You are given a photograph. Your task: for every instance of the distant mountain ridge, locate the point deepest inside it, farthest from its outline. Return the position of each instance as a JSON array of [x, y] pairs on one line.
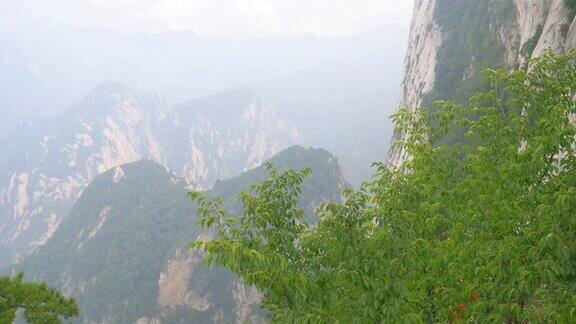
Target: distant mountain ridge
[[52, 67], [44, 165], [122, 250], [339, 91]]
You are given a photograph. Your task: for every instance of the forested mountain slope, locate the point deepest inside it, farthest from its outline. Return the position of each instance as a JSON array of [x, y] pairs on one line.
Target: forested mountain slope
[[122, 249]]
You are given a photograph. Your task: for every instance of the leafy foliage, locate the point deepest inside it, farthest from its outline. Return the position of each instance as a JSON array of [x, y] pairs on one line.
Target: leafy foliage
[[482, 233], [40, 303], [325, 183]]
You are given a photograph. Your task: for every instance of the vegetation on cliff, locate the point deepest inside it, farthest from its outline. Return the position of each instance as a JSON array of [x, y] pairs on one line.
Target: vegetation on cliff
[[483, 232]]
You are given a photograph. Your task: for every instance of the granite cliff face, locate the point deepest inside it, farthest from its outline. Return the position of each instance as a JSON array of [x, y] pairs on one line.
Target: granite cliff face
[[451, 41], [123, 252], [45, 164]]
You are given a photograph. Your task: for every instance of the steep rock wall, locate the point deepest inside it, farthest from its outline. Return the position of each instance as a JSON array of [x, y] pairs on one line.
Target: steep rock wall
[[451, 41]]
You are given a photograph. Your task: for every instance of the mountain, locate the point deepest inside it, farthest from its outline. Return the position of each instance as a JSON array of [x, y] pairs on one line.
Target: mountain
[[122, 249], [45, 164], [219, 136], [452, 41], [339, 91]]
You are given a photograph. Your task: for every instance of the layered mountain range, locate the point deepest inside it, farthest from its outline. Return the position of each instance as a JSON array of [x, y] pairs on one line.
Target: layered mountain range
[[122, 251], [45, 164], [339, 91], [452, 41]]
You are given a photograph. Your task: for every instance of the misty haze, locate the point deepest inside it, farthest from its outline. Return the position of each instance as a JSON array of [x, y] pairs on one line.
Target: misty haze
[[255, 161]]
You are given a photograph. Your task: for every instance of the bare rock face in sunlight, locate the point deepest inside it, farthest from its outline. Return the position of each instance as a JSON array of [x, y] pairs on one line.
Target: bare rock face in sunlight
[[45, 164], [420, 63], [516, 31]]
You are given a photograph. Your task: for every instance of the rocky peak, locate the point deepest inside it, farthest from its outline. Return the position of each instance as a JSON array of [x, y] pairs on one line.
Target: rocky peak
[[109, 97]]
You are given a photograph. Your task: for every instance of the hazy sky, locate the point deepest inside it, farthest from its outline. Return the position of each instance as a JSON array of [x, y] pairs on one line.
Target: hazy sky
[[211, 17]]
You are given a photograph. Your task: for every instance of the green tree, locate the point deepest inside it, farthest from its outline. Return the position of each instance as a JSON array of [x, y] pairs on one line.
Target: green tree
[[482, 231], [38, 302]]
